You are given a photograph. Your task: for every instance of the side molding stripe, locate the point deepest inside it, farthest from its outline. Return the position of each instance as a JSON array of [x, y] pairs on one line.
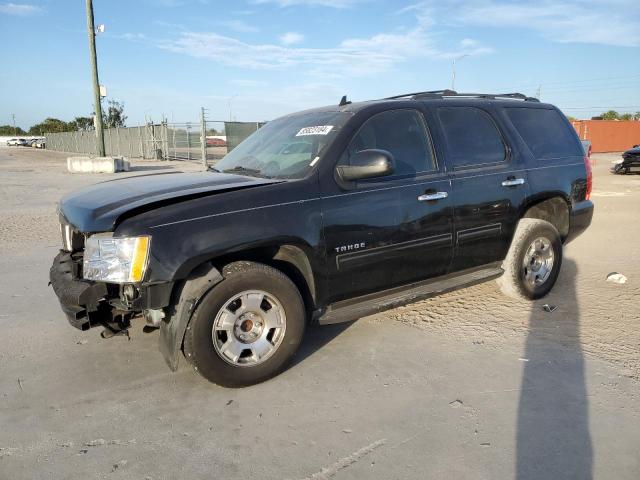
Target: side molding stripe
[[485, 231], [354, 259]]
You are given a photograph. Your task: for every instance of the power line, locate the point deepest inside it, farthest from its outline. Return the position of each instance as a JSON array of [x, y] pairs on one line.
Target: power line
[[533, 84], [598, 108]]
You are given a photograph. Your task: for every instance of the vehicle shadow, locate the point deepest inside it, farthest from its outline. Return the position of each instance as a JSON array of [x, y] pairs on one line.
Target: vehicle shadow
[[553, 439], [316, 337]]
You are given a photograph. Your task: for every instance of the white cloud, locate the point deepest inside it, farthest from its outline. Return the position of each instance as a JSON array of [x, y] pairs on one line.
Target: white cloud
[[238, 26], [291, 38], [615, 22], [351, 57], [241, 82], [317, 3], [19, 9]]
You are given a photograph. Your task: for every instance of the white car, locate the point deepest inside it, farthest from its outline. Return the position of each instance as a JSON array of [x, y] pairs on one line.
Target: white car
[[12, 142]]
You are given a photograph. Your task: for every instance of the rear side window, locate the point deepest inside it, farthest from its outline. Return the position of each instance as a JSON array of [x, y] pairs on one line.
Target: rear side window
[[545, 132], [472, 137], [401, 132]]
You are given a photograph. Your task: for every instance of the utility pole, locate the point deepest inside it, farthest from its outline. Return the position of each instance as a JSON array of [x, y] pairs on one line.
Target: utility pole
[[96, 84], [203, 136], [15, 132], [453, 70], [539, 92]]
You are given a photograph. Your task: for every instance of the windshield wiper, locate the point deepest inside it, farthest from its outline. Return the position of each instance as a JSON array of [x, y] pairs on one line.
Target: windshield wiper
[[211, 169], [245, 171]]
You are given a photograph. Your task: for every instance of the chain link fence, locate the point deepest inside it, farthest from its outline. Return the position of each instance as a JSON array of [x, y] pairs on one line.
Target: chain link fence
[[204, 141], [144, 141]]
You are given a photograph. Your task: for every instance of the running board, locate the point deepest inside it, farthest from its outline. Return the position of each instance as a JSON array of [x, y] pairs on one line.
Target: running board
[[352, 309]]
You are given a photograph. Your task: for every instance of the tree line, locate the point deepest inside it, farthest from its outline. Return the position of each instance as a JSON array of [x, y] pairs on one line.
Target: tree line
[[613, 115], [113, 117]]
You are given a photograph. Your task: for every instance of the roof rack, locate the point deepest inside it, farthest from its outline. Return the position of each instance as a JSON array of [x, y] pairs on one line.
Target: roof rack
[[452, 93]]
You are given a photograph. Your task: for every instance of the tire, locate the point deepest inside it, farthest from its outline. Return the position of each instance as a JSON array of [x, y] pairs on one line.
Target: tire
[[534, 259], [272, 326]]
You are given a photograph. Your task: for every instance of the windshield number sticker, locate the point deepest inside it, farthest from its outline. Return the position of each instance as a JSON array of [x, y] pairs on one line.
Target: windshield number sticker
[[317, 130]]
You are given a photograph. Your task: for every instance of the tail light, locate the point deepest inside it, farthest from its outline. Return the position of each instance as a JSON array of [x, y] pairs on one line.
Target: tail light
[[587, 165]]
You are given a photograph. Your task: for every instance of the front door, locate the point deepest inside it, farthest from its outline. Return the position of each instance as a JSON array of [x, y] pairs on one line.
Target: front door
[[391, 230]]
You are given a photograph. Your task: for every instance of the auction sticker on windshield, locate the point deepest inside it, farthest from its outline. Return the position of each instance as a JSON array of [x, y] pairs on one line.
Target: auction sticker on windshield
[[317, 130]]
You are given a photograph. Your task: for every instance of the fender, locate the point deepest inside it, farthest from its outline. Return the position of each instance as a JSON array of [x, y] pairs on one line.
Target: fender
[[185, 299]]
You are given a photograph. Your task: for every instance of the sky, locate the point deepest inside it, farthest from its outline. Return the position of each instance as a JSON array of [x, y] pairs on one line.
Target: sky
[[255, 60]]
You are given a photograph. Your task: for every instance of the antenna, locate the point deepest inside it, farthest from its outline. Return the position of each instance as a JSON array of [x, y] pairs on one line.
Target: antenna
[[344, 101]]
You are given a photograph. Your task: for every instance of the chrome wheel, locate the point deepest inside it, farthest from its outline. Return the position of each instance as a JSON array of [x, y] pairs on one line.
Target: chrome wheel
[[538, 261], [249, 328]]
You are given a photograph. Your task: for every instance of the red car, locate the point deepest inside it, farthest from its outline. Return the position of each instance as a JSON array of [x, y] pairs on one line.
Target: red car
[[216, 142]]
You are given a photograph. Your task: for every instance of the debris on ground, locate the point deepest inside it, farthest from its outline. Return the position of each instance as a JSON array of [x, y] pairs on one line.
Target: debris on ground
[[6, 451], [456, 403], [121, 442], [549, 308], [96, 443], [523, 359], [615, 277], [118, 465], [346, 430], [82, 342]]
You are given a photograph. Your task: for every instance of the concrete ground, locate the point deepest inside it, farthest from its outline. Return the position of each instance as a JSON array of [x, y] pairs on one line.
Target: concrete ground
[[467, 385]]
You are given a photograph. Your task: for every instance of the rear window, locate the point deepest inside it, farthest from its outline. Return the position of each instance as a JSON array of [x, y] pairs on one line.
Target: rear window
[[545, 132]]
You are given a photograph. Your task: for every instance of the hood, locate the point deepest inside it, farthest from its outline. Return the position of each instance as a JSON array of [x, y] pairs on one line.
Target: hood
[[98, 207]]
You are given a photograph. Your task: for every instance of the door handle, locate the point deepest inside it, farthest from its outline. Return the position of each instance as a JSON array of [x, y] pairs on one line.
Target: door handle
[[513, 182], [429, 197]]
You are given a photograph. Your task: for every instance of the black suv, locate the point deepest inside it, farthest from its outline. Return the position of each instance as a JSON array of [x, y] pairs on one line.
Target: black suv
[[326, 215]]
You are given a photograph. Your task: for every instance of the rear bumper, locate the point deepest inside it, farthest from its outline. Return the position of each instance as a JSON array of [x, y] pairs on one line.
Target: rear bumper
[[79, 299], [580, 219]]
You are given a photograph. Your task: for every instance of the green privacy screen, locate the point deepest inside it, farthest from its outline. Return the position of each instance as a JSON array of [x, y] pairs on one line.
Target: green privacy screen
[[236, 132]]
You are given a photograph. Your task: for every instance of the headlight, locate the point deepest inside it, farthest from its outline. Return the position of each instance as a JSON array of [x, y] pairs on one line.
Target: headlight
[[115, 260]]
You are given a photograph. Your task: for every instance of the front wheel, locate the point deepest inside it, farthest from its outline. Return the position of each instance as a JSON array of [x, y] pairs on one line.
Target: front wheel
[[247, 327], [534, 259]]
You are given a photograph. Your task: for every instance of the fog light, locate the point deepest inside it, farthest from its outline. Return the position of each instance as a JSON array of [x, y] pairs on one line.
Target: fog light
[[129, 292]]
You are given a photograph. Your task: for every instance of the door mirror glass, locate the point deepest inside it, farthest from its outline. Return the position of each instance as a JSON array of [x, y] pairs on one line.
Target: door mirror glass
[[369, 163]]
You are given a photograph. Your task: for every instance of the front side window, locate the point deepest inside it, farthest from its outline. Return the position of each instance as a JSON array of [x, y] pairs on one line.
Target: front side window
[[472, 137], [400, 132]]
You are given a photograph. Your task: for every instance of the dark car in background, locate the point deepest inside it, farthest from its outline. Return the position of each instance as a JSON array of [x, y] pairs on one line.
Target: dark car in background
[[629, 163], [326, 216]]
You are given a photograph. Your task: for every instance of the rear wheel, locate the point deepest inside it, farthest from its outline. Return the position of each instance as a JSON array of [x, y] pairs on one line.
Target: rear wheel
[[247, 327], [534, 259]]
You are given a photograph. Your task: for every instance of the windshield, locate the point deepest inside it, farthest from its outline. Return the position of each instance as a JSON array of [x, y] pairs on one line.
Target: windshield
[[285, 147]]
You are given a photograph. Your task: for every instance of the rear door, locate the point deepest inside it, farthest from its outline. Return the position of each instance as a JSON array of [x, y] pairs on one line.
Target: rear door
[[391, 230], [489, 184]]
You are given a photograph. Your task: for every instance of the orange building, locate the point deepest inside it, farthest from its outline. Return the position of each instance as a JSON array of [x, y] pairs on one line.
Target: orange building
[[608, 135]]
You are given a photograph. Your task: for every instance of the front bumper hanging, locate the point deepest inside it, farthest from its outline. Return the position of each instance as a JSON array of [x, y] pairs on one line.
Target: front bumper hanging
[[79, 299]]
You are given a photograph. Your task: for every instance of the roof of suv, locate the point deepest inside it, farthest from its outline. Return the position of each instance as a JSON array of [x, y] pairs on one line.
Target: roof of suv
[[439, 95]]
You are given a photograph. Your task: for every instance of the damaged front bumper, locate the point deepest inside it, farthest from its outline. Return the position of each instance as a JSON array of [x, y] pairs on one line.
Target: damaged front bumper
[[80, 300], [89, 304]]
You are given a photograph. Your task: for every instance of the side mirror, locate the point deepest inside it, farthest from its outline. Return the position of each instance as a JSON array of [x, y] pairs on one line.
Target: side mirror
[[370, 163]]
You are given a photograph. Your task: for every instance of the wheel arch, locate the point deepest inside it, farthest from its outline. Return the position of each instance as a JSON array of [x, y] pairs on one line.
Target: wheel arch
[[291, 259], [553, 208]]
